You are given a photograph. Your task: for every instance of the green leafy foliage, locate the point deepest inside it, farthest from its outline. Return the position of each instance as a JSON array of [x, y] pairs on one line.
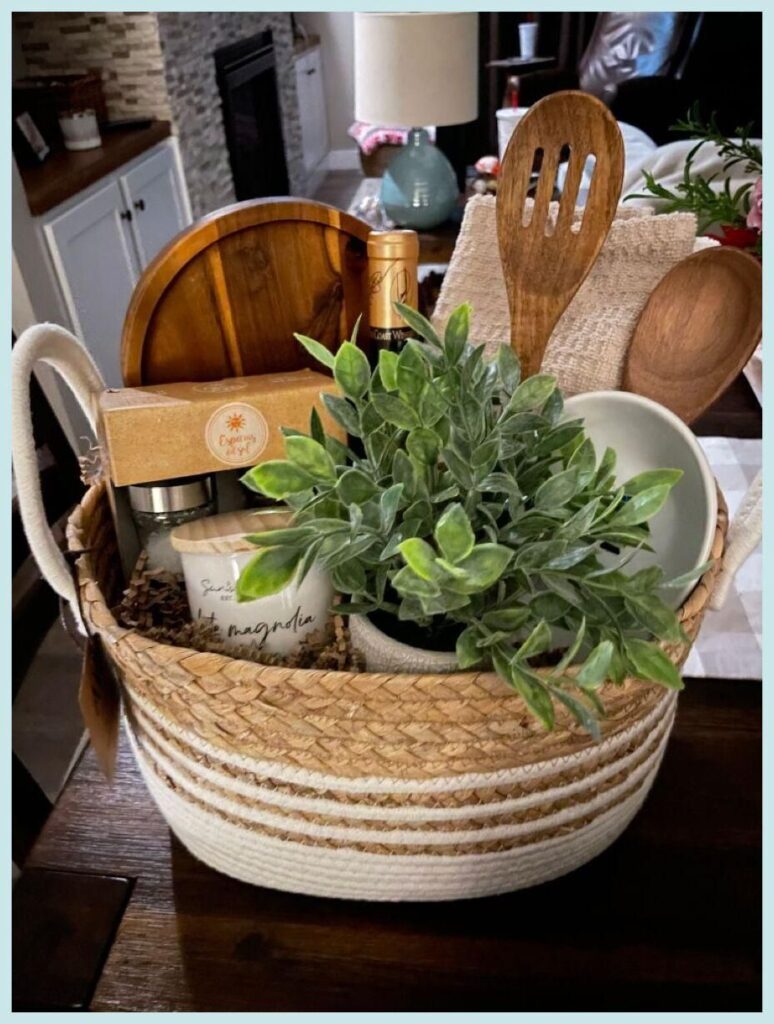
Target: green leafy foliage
[[712, 199], [471, 501], [267, 572]]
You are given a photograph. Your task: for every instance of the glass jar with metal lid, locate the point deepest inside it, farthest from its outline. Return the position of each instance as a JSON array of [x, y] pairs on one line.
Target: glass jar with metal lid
[[157, 508]]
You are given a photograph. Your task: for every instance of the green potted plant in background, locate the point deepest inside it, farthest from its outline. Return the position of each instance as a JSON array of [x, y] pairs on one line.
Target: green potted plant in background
[[474, 520], [732, 216]]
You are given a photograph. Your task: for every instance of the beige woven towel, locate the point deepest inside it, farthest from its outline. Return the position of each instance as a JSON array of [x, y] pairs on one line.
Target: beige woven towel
[[587, 348]]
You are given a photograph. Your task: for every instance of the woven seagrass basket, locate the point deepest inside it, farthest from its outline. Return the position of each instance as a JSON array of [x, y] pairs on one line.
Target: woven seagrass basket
[[364, 786]]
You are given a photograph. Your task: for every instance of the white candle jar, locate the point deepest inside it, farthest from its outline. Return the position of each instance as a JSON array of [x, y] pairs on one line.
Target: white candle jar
[[80, 129], [214, 552]]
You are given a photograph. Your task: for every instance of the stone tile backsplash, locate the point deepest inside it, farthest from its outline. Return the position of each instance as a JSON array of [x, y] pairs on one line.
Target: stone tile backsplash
[[188, 41], [161, 65], [125, 46]]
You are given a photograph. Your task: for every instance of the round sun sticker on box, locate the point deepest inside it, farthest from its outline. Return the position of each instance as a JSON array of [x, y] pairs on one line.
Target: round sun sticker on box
[[236, 434]]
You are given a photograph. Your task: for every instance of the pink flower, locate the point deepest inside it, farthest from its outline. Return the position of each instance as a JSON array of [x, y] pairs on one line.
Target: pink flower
[[755, 216]]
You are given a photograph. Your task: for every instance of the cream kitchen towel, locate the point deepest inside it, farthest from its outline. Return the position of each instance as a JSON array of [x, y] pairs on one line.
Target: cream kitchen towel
[[587, 348]]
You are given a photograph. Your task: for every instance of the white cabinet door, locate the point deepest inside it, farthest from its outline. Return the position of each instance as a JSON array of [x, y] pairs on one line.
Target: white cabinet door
[[93, 251], [154, 197], [311, 100]]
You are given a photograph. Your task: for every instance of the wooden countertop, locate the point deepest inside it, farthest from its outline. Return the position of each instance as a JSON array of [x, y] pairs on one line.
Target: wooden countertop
[[66, 172], [668, 918]]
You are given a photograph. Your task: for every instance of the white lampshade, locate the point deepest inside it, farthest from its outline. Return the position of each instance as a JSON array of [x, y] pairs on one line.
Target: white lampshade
[[416, 69]]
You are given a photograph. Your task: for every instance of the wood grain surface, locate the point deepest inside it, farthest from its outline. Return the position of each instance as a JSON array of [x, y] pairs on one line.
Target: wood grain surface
[[66, 172], [545, 262], [698, 329], [225, 297], [736, 413], [667, 919]]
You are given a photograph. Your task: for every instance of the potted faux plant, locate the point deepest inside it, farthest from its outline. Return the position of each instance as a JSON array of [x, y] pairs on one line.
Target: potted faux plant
[[472, 516]]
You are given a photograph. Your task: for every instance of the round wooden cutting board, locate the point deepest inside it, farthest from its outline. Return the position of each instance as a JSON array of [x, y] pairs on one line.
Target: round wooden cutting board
[[224, 298]]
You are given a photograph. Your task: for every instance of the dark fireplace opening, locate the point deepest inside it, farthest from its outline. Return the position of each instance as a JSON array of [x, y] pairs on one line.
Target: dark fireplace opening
[[247, 79]]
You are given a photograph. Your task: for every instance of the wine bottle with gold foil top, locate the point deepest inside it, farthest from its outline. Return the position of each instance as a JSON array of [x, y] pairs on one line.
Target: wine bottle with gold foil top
[[392, 276]]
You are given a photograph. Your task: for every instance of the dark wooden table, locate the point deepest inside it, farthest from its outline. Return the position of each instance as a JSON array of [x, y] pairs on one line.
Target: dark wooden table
[[112, 913], [436, 245]]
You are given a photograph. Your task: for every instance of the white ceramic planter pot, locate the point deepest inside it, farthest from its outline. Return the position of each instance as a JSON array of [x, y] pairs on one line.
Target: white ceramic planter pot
[[214, 552], [382, 653]]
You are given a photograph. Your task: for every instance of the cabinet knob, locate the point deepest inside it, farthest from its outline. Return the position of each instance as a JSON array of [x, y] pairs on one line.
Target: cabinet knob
[[126, 215], [312, 71], [139, 204]]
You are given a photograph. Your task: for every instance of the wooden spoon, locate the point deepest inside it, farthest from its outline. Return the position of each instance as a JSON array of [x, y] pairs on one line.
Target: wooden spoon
[[545, 260], [698, 329]]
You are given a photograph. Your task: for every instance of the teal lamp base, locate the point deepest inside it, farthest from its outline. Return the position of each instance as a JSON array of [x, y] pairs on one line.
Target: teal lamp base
[[419, 188]]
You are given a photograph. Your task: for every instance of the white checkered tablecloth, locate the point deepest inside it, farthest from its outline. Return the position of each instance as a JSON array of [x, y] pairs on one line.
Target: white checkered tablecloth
[[729, 644]]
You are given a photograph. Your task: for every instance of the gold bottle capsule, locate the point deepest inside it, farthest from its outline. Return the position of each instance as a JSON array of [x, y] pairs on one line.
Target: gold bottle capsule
[[392, 276]]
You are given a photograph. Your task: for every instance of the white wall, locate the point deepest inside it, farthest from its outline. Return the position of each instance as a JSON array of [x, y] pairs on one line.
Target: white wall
[[33, 258], [35, 298], [337, 45], [34, 294], [23, 316], [29, 251]]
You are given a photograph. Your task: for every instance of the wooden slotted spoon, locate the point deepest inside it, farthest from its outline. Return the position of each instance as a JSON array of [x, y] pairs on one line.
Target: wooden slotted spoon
[[545, 262], [698, 329]]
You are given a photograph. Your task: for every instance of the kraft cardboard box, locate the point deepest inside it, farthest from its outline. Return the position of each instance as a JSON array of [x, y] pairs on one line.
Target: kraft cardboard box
[[175, 430]]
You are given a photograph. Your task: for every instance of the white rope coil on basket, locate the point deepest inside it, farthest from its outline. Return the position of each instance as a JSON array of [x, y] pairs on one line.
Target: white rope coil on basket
[[348, 873], [267, 775]]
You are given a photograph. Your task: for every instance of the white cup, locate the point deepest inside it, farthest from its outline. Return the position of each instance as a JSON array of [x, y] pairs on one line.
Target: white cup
[[528, 31], [80, 130], [507, 119]]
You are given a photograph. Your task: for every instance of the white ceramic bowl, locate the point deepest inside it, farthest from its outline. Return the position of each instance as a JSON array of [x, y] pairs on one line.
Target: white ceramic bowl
[[645, 436]]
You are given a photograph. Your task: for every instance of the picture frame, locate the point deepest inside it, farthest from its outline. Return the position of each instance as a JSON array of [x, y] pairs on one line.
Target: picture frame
[[32, 136]]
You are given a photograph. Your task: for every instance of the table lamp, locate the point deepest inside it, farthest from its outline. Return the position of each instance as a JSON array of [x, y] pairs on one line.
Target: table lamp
[[417, 69]]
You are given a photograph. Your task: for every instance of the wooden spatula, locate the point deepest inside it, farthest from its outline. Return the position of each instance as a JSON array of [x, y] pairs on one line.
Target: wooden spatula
[[698, 329], [545, 261]]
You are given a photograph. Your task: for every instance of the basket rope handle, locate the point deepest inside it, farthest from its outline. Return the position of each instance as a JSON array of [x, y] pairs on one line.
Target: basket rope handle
[[61, 350]]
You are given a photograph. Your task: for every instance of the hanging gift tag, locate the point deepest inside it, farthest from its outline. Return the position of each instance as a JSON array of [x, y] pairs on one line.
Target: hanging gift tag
[[100, 705]]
